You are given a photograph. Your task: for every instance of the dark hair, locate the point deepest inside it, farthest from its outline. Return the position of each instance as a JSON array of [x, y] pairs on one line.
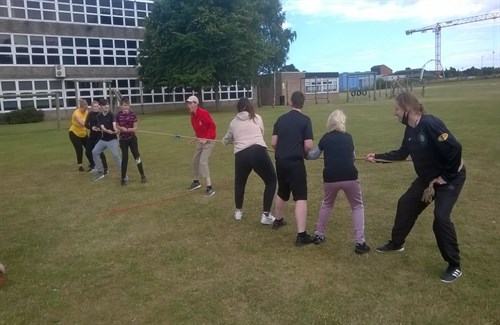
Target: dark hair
[[409, 102], [124, 100], [244, 104], [103, 102], [298, 99]]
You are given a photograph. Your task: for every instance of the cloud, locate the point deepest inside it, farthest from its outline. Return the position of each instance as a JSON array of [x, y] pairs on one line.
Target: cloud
[[423, 11]]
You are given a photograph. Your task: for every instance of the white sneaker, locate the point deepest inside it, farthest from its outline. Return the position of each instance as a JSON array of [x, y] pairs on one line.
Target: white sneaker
[[267, 220], [238, 214]]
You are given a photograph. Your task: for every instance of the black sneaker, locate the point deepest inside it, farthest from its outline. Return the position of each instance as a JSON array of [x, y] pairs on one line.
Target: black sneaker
[[209, 192], [451, 274], [278, 223], [319, 239], [390, 247], [143, 179], [303, 240], [361, 248], [123, 182], [105, 171], [194, 186], [80, 169]]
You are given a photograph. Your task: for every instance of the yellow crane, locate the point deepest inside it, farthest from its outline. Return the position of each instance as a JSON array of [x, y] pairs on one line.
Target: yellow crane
[[436, 28]]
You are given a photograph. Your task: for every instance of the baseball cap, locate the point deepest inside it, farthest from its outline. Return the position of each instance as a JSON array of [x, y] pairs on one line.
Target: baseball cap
[[193, 99]]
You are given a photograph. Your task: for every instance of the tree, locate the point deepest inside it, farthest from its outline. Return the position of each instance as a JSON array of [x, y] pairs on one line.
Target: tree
[[199, 43], [289, 68]]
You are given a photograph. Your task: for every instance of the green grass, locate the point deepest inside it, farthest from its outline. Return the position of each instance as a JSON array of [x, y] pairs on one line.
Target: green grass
[[79, 252]]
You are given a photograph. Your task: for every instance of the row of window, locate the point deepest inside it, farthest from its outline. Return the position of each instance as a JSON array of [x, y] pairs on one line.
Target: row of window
[[130, 13], [321, 85], [48, 50], [95, 90]]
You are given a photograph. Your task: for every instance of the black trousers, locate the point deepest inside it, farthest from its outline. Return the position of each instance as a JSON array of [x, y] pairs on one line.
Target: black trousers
[[79, 144], [88, 152], [410, 206], [254, 158], [131, 143]]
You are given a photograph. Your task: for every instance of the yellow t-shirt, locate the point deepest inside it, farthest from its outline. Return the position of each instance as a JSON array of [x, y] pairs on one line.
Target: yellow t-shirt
[[78, 129]]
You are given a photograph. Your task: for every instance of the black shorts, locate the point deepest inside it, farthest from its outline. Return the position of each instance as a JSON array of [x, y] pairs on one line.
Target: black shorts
[[292, 178]]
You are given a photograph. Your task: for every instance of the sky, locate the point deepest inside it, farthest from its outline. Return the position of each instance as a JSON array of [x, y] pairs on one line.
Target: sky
[[355, 35]]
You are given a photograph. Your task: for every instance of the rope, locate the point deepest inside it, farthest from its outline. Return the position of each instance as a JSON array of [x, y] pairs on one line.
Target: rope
[[177, 136]]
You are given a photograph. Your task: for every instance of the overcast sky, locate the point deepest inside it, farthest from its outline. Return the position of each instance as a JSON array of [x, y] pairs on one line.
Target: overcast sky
[[354, 35]]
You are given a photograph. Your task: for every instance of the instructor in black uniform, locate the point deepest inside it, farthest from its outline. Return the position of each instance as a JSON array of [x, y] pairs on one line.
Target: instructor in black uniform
[[437, 159]]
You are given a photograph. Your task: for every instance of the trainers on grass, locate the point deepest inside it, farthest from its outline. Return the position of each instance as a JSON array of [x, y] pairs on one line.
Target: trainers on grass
[[304, 239], [80, 169], [451, 274], [390, 247], [194, 186], [267, 220], [209, 192], [238, 214], [98, 177], [123, 182], [143, 179], [361, 248], [278, 223], [318, 239]]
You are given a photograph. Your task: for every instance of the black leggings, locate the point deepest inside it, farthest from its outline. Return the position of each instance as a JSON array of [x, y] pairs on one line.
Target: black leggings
[[131, 143], [79, 144], [254, 158]]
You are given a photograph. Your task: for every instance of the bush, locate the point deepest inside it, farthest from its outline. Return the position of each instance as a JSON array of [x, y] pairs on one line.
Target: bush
[[24, 115]]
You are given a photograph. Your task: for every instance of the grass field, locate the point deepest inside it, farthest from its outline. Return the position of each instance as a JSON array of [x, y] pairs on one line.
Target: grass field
[[83, 252]]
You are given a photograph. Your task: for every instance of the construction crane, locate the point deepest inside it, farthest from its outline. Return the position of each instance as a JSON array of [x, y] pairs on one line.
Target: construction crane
[[436, 28]]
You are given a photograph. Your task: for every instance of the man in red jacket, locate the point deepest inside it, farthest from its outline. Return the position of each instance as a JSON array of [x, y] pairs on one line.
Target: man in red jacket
[[204, 128]]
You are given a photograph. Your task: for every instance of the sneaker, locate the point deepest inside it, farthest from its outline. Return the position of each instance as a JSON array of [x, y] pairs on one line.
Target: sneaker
[[80, 169], [361, 248], [238, 215], [123, 182], [278, 223], [105, 171], [143, 179], [303, 240], [194, 186], [390, 247], [209, 192], [267, 220], [451, 274], [91, 169], [318, 239], [98, 177]]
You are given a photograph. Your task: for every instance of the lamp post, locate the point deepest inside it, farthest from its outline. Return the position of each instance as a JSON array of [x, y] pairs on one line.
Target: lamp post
[[493, 59], [482, 56]]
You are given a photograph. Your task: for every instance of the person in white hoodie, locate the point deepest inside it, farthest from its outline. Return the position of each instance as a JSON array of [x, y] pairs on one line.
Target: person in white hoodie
[[246, 132]]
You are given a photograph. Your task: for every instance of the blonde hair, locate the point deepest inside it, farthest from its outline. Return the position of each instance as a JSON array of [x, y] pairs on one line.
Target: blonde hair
[[336, 121], [82, 103]]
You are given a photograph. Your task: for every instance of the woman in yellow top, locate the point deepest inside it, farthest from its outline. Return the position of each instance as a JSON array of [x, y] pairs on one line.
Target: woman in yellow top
[[78, 131]]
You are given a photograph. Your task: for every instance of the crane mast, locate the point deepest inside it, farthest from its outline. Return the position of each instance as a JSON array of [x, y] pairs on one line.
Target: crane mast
[[436, 28]]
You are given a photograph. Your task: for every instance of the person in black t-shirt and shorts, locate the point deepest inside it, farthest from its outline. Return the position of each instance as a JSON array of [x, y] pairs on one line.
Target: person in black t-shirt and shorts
[[292, 140]]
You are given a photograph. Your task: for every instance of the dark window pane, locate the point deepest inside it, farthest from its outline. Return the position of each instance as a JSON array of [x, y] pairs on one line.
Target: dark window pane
[[106, 20], [37, 50], [131, 44], [18, 13], [38, 59], [107, 43], [109, 60], [48, 15], [82, 60], [121, 61], [69, 60], [63, 16], [17, 3], [42, 104], [117, 21], [34, 14], [36, 40], [129, 13], [51, 41], [82, 42], [8, 86], [96, 51], [122, 83], [81, 51], [78, 18], [22, 59], [128, 4], [104, 3], [94, 42], [63, 7], [52, 50], [48, 5], [67, 51], [51, 59], [95, 60], [91, 2], [132, 61], [117, 3], [66, 41], [120, 44], [25, 85], [120, 52], [21, 49], [9, 105], [129, 22], [140, 5], [91, 10], [40, 85], [33, 4], [92, 19], [6, 59], [77, 8]]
